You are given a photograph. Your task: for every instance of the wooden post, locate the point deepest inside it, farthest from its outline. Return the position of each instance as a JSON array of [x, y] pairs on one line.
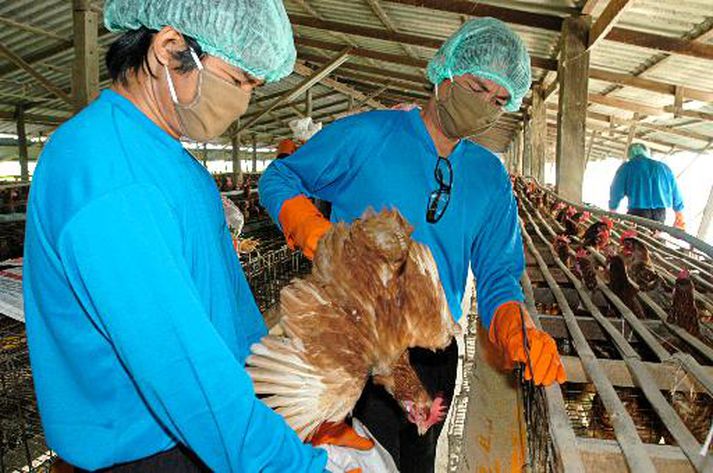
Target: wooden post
[[254, 168], [592, 139], [538, 133], [527, 144], [521, 155], [631, 135], [678, 101], [22, 143], [571, 119], [85, 73], [707, 217], [308, 103], [235, 154]]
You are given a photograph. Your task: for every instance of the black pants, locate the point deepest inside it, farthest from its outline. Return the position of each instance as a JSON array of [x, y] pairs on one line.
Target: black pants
[[387, 422], [176, 460], [658, 215]]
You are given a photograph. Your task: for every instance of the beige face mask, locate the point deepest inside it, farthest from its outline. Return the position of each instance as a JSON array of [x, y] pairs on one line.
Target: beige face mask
[[215, 106], [463, 112]]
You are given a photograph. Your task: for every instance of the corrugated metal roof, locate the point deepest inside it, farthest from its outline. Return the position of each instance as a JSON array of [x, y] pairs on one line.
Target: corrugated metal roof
[[673, 18]]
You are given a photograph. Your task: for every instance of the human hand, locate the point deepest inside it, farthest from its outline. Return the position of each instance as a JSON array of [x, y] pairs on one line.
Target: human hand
[[302, 224], [542, 361], [680, 221]]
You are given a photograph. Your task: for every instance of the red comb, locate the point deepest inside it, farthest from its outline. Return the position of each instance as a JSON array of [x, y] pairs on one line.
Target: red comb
[[608, 222], [684, 274], [586, 214], [439, 409], [628, 234], [582, 253], [571, 211], [562, 238]]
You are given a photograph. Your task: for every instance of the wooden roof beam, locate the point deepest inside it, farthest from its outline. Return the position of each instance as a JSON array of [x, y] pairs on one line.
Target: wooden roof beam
[[361, 52], [386, 73], [403, 38], [303, 70], [379, 11], [648, 84], [309, 81], [35, 30], [589, 6], [470, 8], [606, 21], [697, 49], [625, 105], [43, 81], [598, 74], [655, 143]]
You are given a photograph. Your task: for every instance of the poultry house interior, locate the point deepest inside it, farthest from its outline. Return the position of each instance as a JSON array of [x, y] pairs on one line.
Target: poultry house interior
[[433, 106]]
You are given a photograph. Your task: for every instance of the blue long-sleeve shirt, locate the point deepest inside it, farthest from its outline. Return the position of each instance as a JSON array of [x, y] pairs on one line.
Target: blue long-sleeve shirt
[[647, 184], [386, 159], [139, 317]]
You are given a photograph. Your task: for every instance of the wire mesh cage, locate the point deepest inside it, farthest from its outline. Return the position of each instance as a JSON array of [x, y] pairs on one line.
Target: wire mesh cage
[[22, 446]]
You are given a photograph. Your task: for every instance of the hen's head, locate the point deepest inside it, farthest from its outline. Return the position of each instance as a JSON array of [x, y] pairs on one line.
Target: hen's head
[[426, 414], [608, 222], [562, 240]]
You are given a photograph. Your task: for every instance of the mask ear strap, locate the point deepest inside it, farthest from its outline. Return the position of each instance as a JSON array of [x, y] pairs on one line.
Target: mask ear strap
[[196, 59], [171, 88]]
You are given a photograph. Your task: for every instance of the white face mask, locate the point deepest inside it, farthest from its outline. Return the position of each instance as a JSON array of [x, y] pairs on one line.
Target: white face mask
[[216, 105]]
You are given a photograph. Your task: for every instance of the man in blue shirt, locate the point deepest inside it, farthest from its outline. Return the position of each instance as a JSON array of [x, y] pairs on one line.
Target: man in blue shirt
[[139, 316], [455, 193], [649, 186]]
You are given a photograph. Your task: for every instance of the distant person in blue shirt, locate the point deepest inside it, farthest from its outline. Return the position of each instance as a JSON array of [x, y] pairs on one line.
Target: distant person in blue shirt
[[455, 193], [139, 317], [649, 186]]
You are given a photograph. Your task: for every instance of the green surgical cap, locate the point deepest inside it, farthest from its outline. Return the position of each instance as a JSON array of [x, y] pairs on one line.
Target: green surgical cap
[[254, 35], [487, 48], [638, 149]]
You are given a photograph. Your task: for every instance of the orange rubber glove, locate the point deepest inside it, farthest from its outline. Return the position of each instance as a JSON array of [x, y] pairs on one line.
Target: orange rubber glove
[[506, 330], [341, 435], [302, 224], [680, 222]]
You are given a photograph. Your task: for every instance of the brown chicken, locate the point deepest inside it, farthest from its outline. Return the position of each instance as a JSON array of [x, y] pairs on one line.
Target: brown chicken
[[584, 269], [561, 245], [621, 285], [556, 208], [684, 312], [372, 294], [598, 234], [638, 262]]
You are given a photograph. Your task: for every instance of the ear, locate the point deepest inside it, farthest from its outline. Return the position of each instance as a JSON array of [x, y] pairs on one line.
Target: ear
[[167, 42]]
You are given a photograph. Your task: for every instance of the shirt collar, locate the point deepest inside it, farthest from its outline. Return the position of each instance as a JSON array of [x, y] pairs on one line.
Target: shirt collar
[[139, 118], [422, 133]]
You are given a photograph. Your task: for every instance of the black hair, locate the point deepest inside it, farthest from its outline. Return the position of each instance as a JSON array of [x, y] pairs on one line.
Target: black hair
[[129, 53]]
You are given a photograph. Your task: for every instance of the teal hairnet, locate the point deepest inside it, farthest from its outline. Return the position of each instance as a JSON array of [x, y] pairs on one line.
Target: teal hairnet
[[487, 48], [638, 149], [254, 35]]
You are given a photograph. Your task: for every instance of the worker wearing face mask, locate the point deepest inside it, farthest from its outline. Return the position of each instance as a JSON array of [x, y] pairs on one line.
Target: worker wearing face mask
[[139, 316], [455, 193]]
